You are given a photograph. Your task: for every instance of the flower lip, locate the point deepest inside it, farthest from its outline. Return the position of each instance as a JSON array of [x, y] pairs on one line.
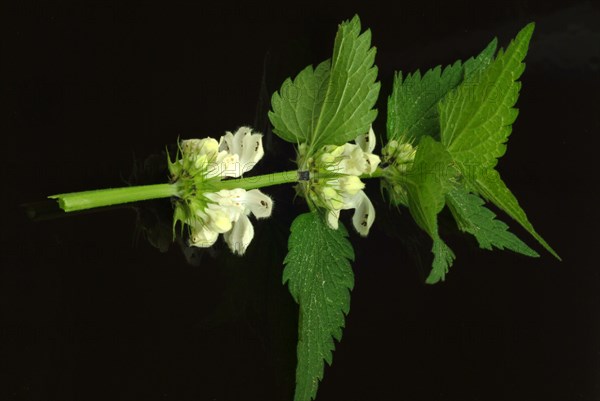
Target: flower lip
[[364, 215], [201, 236], [367, 141], [240, 236], [246, 145]]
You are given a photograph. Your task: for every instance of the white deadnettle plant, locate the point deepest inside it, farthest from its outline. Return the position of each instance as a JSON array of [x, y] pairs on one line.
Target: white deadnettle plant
[[334, 180], [209, 212], [331, 101]]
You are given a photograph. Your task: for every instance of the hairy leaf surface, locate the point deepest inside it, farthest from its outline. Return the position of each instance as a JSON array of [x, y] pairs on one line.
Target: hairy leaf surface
[[333, 103], [320, 278]]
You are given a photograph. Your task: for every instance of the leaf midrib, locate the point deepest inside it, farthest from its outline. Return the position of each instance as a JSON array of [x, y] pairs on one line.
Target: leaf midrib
[[481, 106]]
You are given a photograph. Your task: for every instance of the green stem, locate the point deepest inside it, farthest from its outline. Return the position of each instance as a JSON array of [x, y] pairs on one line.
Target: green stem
[[283, 177], [376, 174], [260, 181], [74, 201]]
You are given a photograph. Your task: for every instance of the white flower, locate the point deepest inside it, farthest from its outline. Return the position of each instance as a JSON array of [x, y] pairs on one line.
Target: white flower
[[201, 236], [367, 144], [350, 161], [352, 158], [346, 193], [226, 212], [246, 146], [234, 155]]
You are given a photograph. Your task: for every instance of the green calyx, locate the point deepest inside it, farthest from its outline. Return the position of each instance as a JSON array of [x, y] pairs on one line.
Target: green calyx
[[315, 173], [399, 157]]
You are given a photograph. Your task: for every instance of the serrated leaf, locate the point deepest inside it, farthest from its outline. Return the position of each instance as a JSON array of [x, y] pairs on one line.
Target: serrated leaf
[[476, 120], [412, 106], [490, 185], [430, 179], [481, 62], [297, 105], [428, 182], [443, 257], [474, 218], [477, 117], [334, 103], [352, 92], [319, 276]]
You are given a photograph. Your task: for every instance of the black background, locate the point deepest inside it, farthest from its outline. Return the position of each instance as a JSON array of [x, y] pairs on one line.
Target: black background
[[90, 310]]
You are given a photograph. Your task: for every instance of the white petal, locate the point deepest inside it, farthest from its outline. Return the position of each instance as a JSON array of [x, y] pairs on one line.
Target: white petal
[[252, 151], [331, 196], [218, 219], [240, 235], [228, 165], [228, 144], [332, 218], [350, 184], [258, 203], [196, 147], [364, 215], [207, 146], [338, 151], [210, 146], [199, 213], [372, 162], [202, 237], [229, 201], [246, 146], [238, 140], [367, 141], [242, 132], [354, 162], [215, 196]]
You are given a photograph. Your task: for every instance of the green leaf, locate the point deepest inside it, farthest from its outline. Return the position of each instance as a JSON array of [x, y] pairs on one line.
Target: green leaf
[[443, 257], [476, 118], [428, 182], [472, 217], [491, 187], [297, 105], [412, 106], [481, 62], [320, 278], [431, 178], [332, 104]]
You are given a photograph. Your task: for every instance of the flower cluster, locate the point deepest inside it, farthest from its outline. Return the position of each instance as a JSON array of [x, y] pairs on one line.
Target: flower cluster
[[203, 159], [334, 183], [399, 158], [207, 210]]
